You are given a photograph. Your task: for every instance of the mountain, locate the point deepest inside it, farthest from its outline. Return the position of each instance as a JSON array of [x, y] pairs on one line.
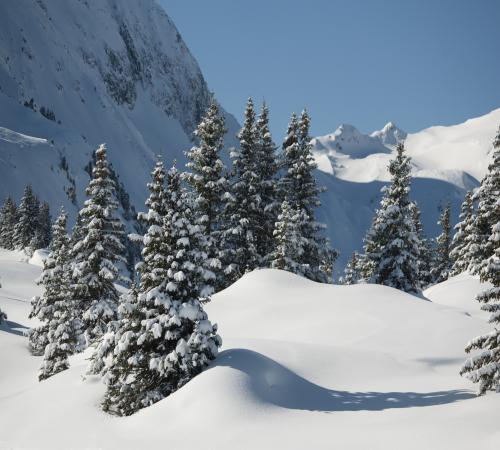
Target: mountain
[[74, 74], [390, 135], [447, 161]]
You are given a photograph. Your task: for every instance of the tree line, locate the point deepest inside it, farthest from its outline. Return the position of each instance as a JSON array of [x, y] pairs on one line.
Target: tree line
[[204, 227], [27, 226]]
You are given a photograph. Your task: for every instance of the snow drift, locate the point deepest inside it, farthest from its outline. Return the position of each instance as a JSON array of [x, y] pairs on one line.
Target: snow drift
[[303, 365]]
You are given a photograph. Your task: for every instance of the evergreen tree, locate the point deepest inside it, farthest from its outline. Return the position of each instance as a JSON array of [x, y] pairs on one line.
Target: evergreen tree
[[55, 308], [484, 367], [424, 248], [243, 204], [266, 171], [207, 177], [461, 240], [442, 262], [27, 222], [352, 271], [481, 248], [54, 280], [299, 186], [97, 252], [391, 244], [163, 337], [8, 220], [45, 225], [289, 244], [153, 240]]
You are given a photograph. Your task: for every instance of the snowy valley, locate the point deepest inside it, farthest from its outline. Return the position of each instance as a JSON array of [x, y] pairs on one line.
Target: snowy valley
[[302, 365], [172, 278]]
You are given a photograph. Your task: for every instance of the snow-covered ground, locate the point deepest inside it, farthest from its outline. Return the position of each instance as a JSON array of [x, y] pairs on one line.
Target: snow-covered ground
[[303, 365]]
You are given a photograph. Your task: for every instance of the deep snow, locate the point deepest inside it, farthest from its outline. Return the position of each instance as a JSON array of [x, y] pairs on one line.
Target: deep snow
[[303, 365]]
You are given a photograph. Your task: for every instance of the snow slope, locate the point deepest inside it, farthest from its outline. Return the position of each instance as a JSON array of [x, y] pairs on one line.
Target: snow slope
[[447, 161], [74, 74], [303, 365]]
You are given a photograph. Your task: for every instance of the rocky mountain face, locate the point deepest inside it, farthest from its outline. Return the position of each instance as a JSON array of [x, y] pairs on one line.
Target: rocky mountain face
[[81, 72]]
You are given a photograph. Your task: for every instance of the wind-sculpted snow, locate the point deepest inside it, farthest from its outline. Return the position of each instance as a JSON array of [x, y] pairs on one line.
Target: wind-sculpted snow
[[300, 359]]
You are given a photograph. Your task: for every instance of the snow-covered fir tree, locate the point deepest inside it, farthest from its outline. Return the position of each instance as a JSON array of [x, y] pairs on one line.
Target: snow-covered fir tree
[[27, 219], [97, 252], [459, 253], [267, 172], [243, 204], [481, 248], [298, 186], [352, 271], [163, 337], [55, 308], [207, 176], [8, 220], [484, 367], [289, 243], [392, 244], [442, 263], [424, 248], [55, 282], [153, 240]]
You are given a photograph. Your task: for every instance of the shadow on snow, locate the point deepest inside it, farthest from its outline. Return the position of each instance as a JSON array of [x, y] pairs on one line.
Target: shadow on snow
[[275, 384]]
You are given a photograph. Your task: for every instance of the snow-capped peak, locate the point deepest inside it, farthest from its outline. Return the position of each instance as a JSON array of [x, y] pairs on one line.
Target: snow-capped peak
[[390, 135]]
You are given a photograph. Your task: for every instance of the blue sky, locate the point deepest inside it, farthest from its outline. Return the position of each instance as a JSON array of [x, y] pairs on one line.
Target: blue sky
[[364, 62]]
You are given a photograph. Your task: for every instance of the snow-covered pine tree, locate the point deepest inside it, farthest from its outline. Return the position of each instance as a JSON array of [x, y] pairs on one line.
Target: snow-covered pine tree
[[267, 171], [298, 186], [442, 262], [484, 367], [8, 220], [289, 244], [153, 240], [459, 253], [27, 219], [55, 308], [55, 288], [486, 197], [163, 337], [352, 273], [243, 204], [424, 248], [97, 252], [391, 244], [207, 176]]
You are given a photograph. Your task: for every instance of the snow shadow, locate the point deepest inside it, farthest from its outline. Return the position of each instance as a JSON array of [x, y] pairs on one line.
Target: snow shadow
[[270, 382], [13, 328]]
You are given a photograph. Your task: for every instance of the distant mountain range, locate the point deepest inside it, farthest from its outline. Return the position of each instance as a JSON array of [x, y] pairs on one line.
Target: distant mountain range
[[74, 74], [447, 161]]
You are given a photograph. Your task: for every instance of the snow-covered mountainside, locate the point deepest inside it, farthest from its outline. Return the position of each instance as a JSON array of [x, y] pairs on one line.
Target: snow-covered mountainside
[[74, 74], [304, 365], [447, 161]]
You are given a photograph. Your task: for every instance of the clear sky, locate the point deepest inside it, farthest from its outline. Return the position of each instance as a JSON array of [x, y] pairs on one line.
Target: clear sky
[[364, 62]]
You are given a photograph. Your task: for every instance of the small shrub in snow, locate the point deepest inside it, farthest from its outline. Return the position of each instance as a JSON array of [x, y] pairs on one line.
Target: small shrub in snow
[[3, 316]]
